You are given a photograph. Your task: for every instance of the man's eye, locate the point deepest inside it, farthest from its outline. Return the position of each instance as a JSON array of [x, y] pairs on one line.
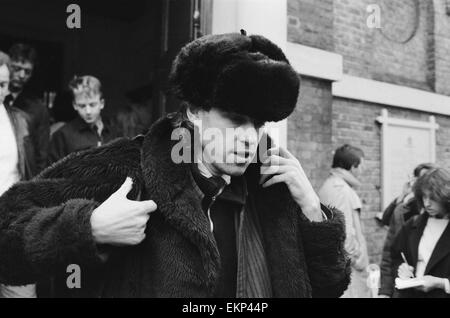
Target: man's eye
[[239, 120], [259, 124]]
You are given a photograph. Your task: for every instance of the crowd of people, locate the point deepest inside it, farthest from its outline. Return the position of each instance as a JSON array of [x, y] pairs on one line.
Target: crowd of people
[[417, 244], [262, 230], [30, 138]]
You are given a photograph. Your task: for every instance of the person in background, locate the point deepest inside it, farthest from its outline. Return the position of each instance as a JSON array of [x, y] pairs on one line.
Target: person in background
[[132, 120], [23, 62], [422, 247], [402, 213], [89, 129], [339, 191], [16, 153], [62, 111], [406, 196]]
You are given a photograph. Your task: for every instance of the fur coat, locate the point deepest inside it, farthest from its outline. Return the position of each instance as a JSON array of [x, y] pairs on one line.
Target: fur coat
[[45, 227]]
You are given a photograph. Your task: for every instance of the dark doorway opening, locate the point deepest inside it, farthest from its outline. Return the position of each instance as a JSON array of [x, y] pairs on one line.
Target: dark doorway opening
[[129, 46]]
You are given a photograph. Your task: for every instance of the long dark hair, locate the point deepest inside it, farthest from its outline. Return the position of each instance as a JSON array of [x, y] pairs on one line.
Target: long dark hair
[[437, 183]]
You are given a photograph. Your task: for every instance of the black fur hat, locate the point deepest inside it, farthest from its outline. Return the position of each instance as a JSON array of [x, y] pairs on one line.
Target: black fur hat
[[248, 75]]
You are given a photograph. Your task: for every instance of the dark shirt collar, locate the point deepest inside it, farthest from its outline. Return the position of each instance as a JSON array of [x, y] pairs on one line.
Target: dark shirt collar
[[235, 192], [81, 125]]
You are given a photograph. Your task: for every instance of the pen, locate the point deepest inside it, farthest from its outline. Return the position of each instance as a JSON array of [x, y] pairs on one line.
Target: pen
[[404, 258]]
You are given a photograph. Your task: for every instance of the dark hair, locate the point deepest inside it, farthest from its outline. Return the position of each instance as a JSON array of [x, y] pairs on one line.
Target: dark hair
[[437, 183], [423, 166], [4, 59], [347, 156], [23, 53], [180, 118], [132, 120]]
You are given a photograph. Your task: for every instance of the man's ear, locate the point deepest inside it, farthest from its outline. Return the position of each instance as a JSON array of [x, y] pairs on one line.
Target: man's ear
[[192, 116]]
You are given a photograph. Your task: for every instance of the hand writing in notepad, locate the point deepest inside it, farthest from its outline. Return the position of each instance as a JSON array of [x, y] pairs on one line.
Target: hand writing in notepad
[[405, 271]]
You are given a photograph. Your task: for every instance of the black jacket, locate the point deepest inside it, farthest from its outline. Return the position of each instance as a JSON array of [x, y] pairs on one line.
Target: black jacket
[[39, 126], [402, 213], [75, 136], [45, 226], [407, 241]]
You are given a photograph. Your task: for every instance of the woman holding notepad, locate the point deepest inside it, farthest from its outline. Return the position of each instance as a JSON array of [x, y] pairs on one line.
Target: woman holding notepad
[[421, 251]]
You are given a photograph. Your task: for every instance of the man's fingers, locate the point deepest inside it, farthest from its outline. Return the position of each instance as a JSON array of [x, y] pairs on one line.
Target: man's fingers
[[282, 152], [276, 160], [125, 188], [274, 180], [147, 207], [269, 171], [275, 169]]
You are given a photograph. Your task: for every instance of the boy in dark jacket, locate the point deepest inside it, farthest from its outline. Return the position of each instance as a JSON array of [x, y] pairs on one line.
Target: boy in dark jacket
[[89, 129]]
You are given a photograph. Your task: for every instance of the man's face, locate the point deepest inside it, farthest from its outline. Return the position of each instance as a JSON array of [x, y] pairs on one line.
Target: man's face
[[357, 171], [89, 107], [4, 83], [21, 72], [229, 141]]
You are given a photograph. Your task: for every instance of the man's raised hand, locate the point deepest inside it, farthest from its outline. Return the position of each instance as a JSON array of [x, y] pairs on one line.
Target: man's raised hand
[[282, 167], [119, 221]]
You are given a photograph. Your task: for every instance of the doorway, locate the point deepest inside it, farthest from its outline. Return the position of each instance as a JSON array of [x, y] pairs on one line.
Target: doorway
[[129, 47]]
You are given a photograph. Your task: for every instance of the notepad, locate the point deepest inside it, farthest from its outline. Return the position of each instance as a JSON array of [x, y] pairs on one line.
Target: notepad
[[408, 283]]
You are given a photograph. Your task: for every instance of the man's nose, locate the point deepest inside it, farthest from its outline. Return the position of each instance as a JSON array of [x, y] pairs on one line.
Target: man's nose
[[248, 140]]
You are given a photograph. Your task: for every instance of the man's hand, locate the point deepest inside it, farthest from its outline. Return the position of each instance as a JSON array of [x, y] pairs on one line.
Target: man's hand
[[405, 271], [119, 221], [284, 167], [407, 189]]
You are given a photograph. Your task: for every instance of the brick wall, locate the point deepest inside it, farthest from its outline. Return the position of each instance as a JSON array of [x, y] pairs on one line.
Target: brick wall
[[385, 54], [441, 54], [311, 23], [310, 128], [322, 123], [354, 122]]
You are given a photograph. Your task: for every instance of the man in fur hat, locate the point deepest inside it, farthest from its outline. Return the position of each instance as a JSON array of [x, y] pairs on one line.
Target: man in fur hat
[[231, 221]]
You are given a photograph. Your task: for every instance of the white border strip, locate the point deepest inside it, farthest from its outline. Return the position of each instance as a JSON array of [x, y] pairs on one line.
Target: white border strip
[[391, 95], [313, 62]]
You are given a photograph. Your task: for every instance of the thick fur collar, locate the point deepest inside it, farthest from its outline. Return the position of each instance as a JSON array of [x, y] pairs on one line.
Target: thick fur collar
[[168, 184]]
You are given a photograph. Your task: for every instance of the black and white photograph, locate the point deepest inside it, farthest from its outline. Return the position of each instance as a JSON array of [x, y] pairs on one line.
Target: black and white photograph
[[224, 153]]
